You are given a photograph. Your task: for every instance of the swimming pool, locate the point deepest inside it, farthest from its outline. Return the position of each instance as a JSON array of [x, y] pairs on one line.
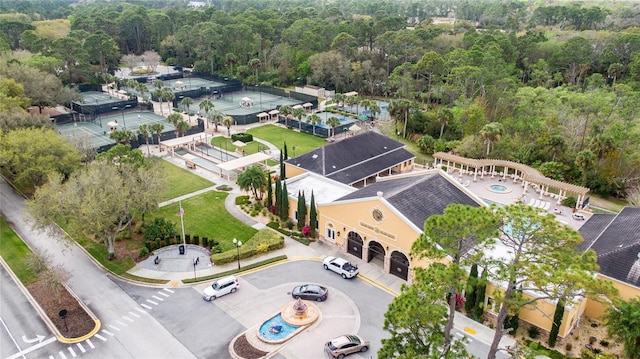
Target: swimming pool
[[499, 188]]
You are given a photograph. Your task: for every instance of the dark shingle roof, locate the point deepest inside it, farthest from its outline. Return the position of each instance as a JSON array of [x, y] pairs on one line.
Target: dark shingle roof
[[618, 245], [416, 197], [355, 158], [592, 229]]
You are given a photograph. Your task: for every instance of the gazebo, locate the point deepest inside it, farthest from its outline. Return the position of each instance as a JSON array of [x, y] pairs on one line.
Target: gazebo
[[273, 114], [262, 116]]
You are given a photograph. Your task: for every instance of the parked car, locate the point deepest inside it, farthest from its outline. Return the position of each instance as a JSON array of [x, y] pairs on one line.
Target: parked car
[[578, 216], [310, 292], [345, 345], [340, 266], [221, 287]]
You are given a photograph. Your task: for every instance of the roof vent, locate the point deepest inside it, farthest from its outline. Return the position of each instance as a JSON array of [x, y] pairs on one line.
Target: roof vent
[[379, 193], [314, 156]]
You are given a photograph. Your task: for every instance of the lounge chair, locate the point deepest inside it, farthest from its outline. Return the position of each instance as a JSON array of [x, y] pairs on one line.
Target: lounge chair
[[537, 203], [531, 201], [547, 205]]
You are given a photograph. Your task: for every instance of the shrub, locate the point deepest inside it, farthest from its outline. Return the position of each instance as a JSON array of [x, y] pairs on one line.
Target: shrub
[[534, 332], [196, 240], [604, 343], [244, 137], [187, 239], [273, 225], [242, 200], [262, 248], [224, 187], [253, 213], [148, 245], [144, 251], [159, 228], [205, 242], [570, 201], [252, 247]]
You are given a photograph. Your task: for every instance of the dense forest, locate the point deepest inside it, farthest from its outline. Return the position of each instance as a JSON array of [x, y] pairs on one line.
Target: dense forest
[[551, 84]]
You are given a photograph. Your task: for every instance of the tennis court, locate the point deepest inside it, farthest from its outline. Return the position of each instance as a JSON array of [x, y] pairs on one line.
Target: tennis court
[[243, 103], [96, 134], [97, 98]]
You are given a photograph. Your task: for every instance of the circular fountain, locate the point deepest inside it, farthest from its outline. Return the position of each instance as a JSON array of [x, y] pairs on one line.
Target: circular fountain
[[294, 317]]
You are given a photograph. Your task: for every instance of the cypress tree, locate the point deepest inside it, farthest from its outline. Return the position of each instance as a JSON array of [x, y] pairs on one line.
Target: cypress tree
[[313, 216], [302, 212], [557, 320], [269, 192], [299, 212], [470, 294], [481, 288], [278, 198], [282, 172], [285, 202], [286, 154]]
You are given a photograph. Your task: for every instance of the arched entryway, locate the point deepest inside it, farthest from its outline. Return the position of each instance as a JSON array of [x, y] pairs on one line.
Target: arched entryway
[[399, 265], [376, 253], [354, 244]]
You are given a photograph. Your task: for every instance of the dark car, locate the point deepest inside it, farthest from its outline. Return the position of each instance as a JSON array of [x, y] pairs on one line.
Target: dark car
[[345, 345], [310, 292]]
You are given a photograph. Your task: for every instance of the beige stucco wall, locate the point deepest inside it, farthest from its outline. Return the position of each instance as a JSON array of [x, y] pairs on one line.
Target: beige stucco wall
[[292, 171], [625, 291]]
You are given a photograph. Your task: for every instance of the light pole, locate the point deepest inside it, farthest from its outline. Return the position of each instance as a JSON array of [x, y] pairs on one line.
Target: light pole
[[124, 123], [238, 244], [294, 150]]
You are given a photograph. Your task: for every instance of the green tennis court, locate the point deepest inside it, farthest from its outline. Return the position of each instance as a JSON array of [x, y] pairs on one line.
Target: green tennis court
[[243, 103]]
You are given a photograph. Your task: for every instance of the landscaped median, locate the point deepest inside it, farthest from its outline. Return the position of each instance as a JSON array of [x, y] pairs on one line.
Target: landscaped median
[[45, 290]]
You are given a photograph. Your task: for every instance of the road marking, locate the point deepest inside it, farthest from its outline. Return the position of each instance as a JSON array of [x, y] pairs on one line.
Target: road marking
[[90, 344], [9, 332], [62, 355], [157, 298], [164, 294], [30, 349], [82, 349], [168, 290], [73, 354], [152, 302], [470, 331], [127, 318], [51, 357], [141, 311], [134, 314], [146, 306], [121, 323], [108, 332], [101, 337]]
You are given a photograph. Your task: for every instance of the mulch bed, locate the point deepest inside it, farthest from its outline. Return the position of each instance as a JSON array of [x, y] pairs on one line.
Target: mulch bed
[[79, 323], [245, 350]]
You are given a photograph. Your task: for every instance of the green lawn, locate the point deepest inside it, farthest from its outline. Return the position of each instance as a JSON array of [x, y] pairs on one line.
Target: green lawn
[[13, 250], [182, 181], [303, 142], [206, 216]]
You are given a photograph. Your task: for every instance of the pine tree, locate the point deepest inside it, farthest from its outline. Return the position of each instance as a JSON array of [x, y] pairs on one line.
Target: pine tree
[[470, 294], [313, 216], [557, 321]]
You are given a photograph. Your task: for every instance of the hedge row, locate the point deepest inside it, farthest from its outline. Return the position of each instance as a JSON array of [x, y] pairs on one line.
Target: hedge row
[[159, 243], [262, 242], [244, 137]]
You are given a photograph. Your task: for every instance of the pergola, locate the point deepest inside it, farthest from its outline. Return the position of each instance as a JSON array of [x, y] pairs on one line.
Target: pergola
[[528, 175], [186, 141], [245, 161]]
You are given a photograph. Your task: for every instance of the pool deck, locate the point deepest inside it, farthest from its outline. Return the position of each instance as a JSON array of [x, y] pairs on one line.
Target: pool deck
[[481, 188]]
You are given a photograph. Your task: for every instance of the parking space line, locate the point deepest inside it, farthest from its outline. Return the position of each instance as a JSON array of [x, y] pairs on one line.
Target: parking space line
[[82, 349], [141, 310], [144, 305], [127, 318], [164, 294], [121, 323], [168, 290], [51, 357], [114, 327], [90, 344], [157, 298], [101, 337], [62, 355], [134, 314], [152, 302], [73, 354]]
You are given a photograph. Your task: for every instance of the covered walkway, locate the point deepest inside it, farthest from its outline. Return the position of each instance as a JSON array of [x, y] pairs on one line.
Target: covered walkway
[[528, 176]]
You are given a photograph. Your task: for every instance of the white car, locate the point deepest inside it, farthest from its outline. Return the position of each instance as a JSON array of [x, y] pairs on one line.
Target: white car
[[221, 287], [340, 266]]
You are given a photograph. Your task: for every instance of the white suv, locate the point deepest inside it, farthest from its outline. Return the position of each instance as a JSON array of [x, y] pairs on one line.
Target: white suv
[[340, 266], [221, 287]]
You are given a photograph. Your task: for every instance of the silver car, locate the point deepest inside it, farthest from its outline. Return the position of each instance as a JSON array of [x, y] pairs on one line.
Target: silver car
[[345, 345]]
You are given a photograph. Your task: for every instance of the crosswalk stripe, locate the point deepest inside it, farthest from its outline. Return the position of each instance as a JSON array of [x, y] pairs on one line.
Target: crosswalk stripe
[[114, 327], [62, 355], [121, 323], [90, 344], [144, 305], [101, 337], [140, 310], [157, 298], [51, 357], [127, 318], [82, 349], [163, 294], [134, 314], [152, 302], [73, 354], [168, 290]]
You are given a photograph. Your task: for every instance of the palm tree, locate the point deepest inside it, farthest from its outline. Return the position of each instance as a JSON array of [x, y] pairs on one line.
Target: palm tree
[[585, 159], [491, 132], [339, 99], [253, 178], [127, 136], [118, 136], [254, 65], [157, 129], [400, 109], [183, 126], [299, 113], [375, 109], [444, 115], [286, 111], [186, 102], [158, 94], [142, 89], [145, 131], [229, 60], [206, 105], [227, 121], [217, 118], [169, 96], [158, 84], [314, 120], [333, 122], [173, 119]]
